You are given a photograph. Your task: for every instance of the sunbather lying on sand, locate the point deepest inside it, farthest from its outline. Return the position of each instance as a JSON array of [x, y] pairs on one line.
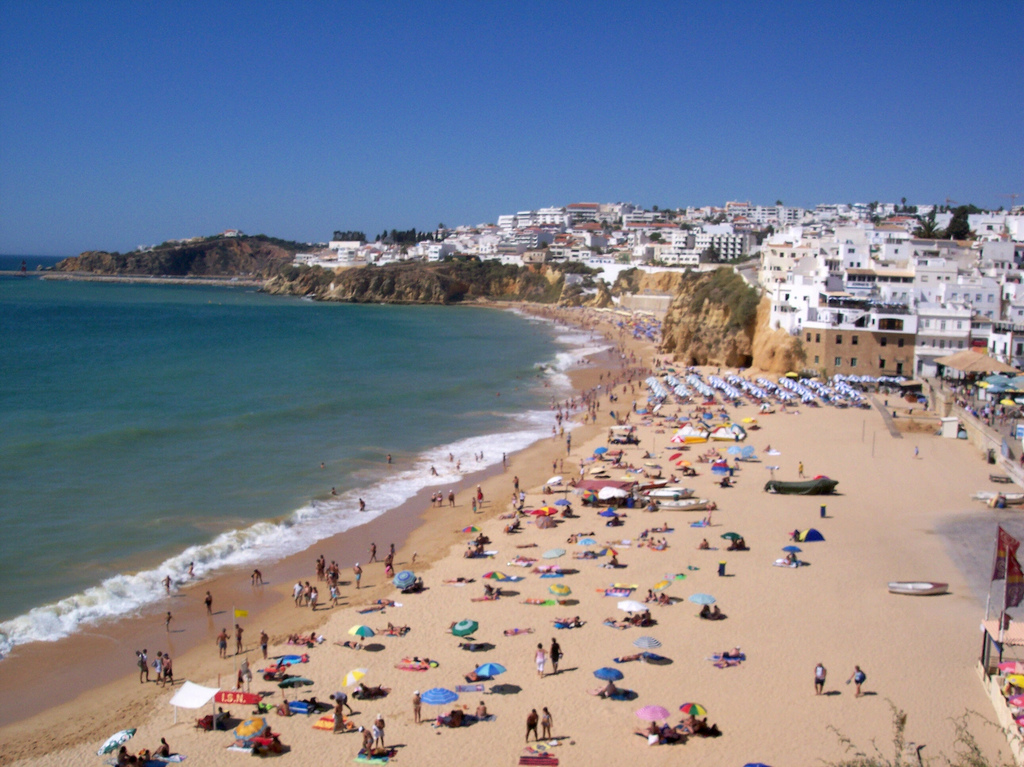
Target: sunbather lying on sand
[[395, 631], [460, 580], [350, 644], [573, 623], [616, 624], [584, 555], [517, 632]]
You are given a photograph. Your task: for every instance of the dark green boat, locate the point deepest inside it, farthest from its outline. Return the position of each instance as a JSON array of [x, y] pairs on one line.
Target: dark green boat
[[822, 486]]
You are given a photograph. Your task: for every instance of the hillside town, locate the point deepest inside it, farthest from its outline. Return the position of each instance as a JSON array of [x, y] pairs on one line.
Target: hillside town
[[870, 289]]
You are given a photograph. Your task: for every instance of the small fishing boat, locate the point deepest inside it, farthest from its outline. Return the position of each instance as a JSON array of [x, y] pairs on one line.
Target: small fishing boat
[[650, 484], [673, 493], [685, 504], [991, 497], [918, 588]]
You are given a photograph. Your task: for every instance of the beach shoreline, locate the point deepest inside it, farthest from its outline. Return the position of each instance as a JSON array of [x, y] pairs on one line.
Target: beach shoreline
[[884, 524], [84, 664]]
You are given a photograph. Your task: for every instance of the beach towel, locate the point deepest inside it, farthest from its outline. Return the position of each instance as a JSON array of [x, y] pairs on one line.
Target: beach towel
[[718, 656], [623, 695], [539, 760], [241, 749], [377, 759], [543, 602], [299, 707], [469, 688], [617, 592], [552, 575], [483, 599], [612, 625]]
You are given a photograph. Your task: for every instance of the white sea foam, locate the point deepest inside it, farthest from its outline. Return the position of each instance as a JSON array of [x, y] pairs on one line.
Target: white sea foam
[[127, 594]]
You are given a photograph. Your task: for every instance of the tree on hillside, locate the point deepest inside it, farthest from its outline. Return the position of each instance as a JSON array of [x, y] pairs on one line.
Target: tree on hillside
[[927, 230], [959, 228]]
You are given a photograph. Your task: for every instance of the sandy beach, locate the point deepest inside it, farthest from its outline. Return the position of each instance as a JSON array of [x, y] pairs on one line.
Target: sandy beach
[[895, 518]]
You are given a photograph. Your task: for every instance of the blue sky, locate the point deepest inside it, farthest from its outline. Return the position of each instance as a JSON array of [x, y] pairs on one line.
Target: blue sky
[[128, 123]]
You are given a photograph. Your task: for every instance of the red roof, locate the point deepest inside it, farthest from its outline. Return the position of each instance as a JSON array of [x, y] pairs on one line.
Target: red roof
[[588, 205]]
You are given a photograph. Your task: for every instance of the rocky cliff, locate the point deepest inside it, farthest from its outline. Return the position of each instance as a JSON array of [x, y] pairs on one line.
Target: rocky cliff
[[418, 283], [716, 318], [213, 257]]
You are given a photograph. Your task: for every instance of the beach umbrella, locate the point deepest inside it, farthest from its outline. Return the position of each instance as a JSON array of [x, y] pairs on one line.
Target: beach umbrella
[[606, 493], [1016, 700], [810, 535], [544, 511], [607, 513], [735, 450], [1007, 401], [702, 599], [404, 579], [471, 529], [646, 643], [652, 713], [652, 465], [361, 631], [586, 542], [354, 676], [608, 674], [661, 585], [250, 728], [683, 463], [1016, 679], [791, 374], [490, 669], [553, 553], [694, 709], [561, 502], [731, 536], [590, 496], [674, 456], [439, 696], [1012, 667], [554, 481], [792, 549], [631, 606], [545, 523], [748, 419], [494, 575], [560, 589], [465, 628], [115, 740], [600, 450]]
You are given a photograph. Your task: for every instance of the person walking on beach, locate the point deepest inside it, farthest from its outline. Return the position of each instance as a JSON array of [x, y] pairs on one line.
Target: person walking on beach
[[143, 662], [264, 640], [378, 730], [540, 656], [451, 498], [341, 699], [257, 578], [819, 678], [297, 593], [358, 573], [531, 724], [857, 677], [545, 723], [556, 655], [222, 643], [238, 639], [209, 603], [416, 703], [373, 553], [800, 470], [167, 622]]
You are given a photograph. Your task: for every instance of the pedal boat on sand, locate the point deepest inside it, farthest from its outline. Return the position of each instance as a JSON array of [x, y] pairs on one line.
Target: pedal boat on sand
[[918, 588]]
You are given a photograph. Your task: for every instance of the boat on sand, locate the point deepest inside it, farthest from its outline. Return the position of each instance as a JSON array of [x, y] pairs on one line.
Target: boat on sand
[[674, 493], [918, 588], [685, 504]]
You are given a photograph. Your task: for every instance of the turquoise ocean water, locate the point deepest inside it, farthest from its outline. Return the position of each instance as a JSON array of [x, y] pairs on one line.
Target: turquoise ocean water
[[146, 427]]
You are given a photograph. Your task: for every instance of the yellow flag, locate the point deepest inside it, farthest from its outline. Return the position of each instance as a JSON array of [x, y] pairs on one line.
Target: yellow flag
[[241, 613]]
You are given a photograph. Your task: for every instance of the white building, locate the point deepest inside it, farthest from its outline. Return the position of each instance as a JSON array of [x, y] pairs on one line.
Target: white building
[[941, 330]]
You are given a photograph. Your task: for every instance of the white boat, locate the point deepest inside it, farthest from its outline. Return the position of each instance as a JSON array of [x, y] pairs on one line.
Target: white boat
[[646, 485], [989, 497], [686, 504], [918, 588], [674, 493]]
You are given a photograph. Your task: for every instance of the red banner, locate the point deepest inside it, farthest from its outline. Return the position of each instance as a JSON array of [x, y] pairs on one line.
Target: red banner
[[1006, 546], [237, 697], [1014, 584]]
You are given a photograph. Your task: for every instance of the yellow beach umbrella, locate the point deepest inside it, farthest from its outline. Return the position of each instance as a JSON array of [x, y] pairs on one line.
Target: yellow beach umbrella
[[983, 384], [560, 589], [361, 631], [1007, 401], [1016, 679], [662, 585], [354, 676]]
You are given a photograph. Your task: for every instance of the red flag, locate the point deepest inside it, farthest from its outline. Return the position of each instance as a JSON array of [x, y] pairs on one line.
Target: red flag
[[1006, 546], [1014, 584]]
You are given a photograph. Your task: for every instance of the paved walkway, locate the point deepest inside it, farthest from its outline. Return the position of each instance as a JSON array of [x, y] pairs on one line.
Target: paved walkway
[[886, 416]]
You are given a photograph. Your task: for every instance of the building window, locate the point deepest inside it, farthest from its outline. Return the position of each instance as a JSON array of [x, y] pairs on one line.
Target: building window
[[883, 341], [815, 359], [853, 362], [853, 340], [839, 339], [899, 343], [817, 338], [839, 361], [808, 338], [959, 344], [942, 344], [942, 325]]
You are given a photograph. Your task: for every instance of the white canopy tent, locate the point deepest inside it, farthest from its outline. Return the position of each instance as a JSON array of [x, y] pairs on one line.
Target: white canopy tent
[[192, 695]]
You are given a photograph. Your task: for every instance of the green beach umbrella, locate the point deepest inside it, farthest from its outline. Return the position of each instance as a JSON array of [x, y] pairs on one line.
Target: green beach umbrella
[[560, 589], [361, 631], [731, 536], [465, 628], [115, 740]]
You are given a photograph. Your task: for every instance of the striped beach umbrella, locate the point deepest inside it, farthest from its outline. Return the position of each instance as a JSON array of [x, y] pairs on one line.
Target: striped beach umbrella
[[647, 643], [471, 529], [560, 589], [361, 631], [115, 740], [693, 709], [354, 676], [608, 674], [404, 579], [439, 696], [465, 628]]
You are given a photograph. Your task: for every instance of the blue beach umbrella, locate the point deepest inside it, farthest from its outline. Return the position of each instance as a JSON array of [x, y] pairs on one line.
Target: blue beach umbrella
[[607, 513], [405, 579], [600, 450], [702, 599], [561, 502], [586, 542], [608, 674], [439, 696], [490, 669], [792, 549]]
